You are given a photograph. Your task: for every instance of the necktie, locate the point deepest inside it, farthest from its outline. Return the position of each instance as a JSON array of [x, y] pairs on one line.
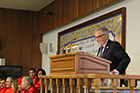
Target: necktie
[[101, 53]]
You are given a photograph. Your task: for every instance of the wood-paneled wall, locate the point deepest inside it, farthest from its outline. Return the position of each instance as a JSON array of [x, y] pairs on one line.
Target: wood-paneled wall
[[19, 40], [64, 11]]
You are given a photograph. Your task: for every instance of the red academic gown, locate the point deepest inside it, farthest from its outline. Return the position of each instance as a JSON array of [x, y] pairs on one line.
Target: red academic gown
[[3, 90], [9, 90], [31, 89], [37, 85], [35, 80]]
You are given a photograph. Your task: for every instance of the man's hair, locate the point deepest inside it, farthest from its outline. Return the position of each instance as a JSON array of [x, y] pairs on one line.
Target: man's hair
[[28, 79], [32, 69], [2, 79], [103, 29], [12, 78]]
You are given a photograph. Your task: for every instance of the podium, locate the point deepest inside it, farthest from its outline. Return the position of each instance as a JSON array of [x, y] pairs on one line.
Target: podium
[[78, 63]]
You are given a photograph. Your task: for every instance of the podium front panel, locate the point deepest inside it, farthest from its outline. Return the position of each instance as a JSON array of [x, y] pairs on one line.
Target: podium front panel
[[78, 63]]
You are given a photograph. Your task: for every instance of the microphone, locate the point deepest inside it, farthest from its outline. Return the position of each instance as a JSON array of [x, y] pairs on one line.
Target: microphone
[[65, 45]]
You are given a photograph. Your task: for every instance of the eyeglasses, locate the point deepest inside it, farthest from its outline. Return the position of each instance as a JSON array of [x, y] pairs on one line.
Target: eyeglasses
[[99, 36], [23, 82]]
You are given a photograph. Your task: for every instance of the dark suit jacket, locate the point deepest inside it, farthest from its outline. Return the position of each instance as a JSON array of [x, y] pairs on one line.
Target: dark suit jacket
[[115, 53]]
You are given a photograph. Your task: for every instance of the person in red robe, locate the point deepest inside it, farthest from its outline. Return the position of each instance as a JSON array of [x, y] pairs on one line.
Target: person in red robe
[[8, 85], [39, 73], [32, 74], [2, 86], [27, 85], [19, 83]]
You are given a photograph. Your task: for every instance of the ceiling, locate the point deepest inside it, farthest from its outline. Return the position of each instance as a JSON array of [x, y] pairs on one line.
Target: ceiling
[[30, 5]]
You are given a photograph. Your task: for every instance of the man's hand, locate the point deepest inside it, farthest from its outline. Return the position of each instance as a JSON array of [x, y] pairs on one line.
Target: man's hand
[[114, 71]]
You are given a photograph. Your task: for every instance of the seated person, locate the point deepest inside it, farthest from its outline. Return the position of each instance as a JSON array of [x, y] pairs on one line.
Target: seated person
[[19, 84], [39, 73], [32, 74], [27, 85], [3, 85], [9, 85], [15, 86]]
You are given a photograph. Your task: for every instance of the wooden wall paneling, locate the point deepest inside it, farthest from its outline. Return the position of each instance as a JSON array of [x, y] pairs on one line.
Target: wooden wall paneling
[[43, 20], [94, 4], [101, 2], [12, 37], [82, 7], [60, 12], [26, 41], [65, 11], [50, 17], [46, 20], [17, 44], [76, 8], [37, 39], [36, 54], [110, 1], [71, 9], [97, 4], [1, 33], [55, 13], [14, 42], [107, 1], [40, 22], [89, 5], [8, 35]]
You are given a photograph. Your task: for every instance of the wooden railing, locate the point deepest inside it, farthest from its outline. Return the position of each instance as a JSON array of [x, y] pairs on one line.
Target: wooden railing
[[89, 83]]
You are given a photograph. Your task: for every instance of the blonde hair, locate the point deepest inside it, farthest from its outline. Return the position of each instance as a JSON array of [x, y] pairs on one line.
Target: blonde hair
[[15, 84]]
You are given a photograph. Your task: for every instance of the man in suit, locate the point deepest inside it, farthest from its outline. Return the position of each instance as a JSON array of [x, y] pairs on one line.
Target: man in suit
[[112, 51]]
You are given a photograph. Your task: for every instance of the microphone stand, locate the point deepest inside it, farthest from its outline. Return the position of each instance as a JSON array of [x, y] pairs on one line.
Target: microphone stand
[[65, 45]]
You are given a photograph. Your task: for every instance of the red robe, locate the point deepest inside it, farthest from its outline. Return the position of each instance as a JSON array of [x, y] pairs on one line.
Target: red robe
[[9, 90], [37, 85], [3, 90], [20, 80], [31, 89], [35, 80]]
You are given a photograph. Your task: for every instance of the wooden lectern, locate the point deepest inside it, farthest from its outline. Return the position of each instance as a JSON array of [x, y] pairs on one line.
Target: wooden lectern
[[78, 63]]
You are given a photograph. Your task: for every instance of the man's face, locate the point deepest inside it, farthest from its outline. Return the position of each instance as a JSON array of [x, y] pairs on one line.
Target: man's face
[[24, 84], [8, 82], [100, 37], [32, 73], [2, 82]]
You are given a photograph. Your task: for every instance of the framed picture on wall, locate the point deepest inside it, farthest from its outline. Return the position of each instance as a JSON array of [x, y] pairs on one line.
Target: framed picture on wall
[[83, 35]]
